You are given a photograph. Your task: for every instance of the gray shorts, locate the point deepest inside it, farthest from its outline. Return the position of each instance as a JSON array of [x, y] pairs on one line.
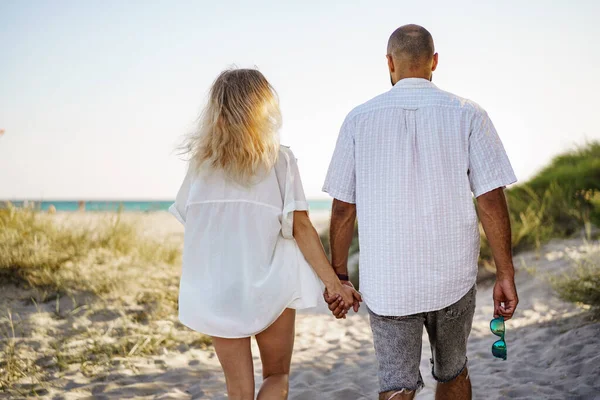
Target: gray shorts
[[398, 343]]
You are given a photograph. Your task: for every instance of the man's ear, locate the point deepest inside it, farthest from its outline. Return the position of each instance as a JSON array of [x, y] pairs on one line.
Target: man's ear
[[390, 61], [434, 63]]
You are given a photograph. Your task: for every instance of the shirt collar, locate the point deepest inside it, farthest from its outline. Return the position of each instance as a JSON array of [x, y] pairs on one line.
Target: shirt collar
[[413, 83]]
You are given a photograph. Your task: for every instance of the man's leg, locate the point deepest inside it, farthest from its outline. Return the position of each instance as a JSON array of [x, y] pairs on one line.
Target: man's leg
[[398, 342], [457, 388], [449, 331], [398, 395]]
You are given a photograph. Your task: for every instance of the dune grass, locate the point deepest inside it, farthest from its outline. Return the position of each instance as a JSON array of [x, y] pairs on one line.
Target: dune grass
[[581, 284], [565, 194], [84, 294], [560, 201], [40, 253]]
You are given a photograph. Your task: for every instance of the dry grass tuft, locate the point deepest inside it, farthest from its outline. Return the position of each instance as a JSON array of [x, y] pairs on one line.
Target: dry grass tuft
[[91, 295], [14, 367], [40, 253], [582, 283]]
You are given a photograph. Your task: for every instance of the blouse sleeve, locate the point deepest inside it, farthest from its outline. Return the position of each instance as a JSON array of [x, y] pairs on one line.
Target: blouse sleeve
[[178, 209], [294, 197]]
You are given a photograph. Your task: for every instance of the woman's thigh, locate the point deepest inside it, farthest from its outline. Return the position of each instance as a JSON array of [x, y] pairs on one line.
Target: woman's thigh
[[235, 357], [276, 344]]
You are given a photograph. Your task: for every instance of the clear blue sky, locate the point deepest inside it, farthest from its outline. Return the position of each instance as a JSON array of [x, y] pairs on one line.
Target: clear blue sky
[[95, 95]]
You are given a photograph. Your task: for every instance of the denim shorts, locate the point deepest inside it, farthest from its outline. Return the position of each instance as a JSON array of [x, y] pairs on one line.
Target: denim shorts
[[398, 342]]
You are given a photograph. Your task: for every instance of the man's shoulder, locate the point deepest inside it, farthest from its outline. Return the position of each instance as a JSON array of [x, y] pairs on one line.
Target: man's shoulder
[[435, 97], [368, 106], [450, 99]]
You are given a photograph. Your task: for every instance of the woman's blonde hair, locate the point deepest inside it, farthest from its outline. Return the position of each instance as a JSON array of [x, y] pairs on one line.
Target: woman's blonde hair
[[238, 128]]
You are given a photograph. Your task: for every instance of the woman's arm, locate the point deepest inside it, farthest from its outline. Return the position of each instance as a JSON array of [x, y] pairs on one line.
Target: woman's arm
[[308, 240]]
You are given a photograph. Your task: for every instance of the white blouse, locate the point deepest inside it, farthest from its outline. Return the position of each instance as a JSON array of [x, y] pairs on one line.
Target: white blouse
[[241, 265]]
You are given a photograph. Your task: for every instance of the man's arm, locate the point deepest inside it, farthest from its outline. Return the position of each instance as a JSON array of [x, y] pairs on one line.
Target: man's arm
[[493, 213], [341, 232], [340, 183]]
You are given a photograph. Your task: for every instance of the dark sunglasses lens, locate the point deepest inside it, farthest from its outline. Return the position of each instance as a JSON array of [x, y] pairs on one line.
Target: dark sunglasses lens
[[499, 349], [497, 326]]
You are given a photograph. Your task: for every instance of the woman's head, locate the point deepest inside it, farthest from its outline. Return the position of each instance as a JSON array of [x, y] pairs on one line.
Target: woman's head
[[238, 129]]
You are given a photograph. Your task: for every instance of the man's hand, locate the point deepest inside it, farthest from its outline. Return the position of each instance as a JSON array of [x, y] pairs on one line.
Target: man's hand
[[493, 213], [505, 298], [337, 306]]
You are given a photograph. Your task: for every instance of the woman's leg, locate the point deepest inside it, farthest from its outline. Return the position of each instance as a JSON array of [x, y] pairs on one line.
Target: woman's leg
[[236, 359], [276, 344]]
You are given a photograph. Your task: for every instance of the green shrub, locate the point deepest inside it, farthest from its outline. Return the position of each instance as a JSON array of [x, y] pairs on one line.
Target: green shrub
[[569, 187], [577, 170]]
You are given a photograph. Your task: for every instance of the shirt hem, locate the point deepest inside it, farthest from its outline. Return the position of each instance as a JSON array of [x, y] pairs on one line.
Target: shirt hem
[[387, 313], [296, 206], [495, 185], [202, 331], [345, 197]]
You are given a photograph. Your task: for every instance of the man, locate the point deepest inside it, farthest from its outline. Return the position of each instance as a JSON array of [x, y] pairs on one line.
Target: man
[[408, 163]]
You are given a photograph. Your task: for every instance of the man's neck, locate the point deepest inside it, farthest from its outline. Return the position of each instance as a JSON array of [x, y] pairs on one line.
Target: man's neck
[[419, 76]]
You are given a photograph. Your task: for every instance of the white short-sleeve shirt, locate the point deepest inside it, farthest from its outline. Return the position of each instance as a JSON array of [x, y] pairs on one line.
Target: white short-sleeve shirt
[[412, 159], [241, 264]]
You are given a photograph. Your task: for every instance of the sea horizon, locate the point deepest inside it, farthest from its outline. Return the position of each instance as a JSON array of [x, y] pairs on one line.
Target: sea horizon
[[109, 205]]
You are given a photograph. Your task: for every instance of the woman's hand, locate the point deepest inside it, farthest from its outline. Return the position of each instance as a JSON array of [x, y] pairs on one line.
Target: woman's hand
[[341, 298]]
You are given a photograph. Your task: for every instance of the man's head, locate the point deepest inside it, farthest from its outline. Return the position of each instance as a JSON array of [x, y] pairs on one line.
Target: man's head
[[411, 54]]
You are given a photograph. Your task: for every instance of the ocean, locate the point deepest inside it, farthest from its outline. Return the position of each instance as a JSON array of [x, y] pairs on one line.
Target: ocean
[[127, 205]]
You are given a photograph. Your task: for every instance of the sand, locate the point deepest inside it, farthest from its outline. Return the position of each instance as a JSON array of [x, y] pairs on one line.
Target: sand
[[553, 350]]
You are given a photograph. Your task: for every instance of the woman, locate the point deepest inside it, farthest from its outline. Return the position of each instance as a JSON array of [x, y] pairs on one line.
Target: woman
[[248, 239]]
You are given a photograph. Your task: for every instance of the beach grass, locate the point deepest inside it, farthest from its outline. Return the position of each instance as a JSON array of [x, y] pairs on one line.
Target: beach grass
[[86, 294], [40, 253], [581, 284], [561, 201]]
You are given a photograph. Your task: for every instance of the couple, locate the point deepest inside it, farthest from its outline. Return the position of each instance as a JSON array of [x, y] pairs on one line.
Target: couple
[[407, 164]]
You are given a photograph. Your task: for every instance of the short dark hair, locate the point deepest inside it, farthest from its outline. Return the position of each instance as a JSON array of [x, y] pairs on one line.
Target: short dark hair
[[411, 41]]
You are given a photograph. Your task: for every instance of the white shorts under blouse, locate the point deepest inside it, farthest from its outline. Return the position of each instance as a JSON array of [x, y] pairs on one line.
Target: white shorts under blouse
[[241, 265]]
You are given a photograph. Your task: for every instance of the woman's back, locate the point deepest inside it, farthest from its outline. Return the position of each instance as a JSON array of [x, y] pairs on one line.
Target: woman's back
[[243, 220], [239, 271], [243, 271]]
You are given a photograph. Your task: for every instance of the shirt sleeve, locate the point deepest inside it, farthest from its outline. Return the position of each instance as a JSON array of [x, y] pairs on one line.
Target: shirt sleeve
[[340, 182], [489, 166], [178, 209], [294, 197]]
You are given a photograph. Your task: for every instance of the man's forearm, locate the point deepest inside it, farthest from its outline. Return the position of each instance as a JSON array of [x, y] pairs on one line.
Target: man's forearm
[[493, 213], [341, 233]]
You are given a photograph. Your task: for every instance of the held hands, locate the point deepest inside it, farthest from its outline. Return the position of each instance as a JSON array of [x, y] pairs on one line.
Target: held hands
[[505, 298], [341, 298]]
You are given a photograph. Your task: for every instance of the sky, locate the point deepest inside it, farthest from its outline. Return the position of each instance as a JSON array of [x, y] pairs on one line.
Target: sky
[[95, 96]]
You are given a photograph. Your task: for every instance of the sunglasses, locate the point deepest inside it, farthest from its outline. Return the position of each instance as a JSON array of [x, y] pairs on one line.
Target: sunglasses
[[499, 347]]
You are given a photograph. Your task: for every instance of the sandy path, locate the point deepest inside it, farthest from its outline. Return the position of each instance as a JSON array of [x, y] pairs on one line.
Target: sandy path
[[554, 353], [553, 347]]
